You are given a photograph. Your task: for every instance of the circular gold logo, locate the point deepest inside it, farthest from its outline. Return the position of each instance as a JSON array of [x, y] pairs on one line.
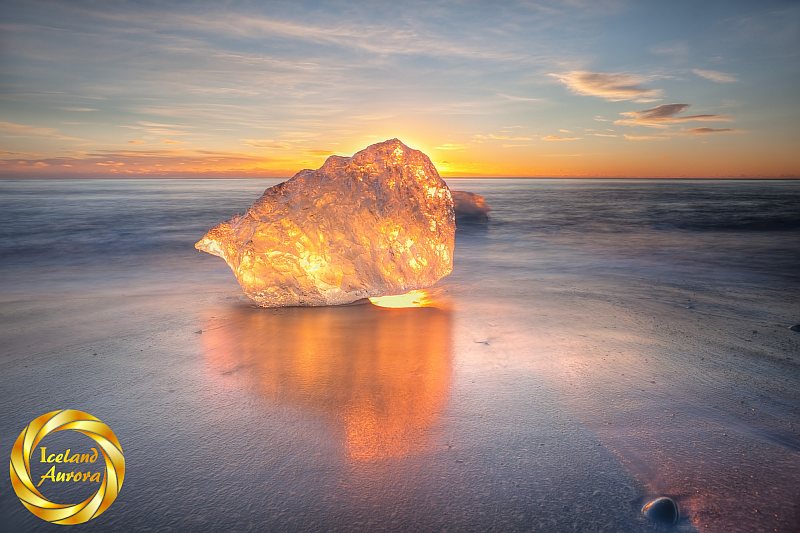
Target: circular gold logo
[[109, 484]]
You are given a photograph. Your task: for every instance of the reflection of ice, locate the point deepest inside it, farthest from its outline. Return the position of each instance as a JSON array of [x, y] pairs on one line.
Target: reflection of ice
[[381, 375]]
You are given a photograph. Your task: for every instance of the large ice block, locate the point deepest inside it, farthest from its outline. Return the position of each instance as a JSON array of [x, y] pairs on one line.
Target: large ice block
[[378, 223]]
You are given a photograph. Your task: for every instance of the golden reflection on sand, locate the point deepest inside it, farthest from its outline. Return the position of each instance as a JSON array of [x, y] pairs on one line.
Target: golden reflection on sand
[[416, 298], [380, 376]]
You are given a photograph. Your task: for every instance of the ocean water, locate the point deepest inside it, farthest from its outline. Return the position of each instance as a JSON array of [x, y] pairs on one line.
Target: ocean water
[[697, 230], [599, 343]]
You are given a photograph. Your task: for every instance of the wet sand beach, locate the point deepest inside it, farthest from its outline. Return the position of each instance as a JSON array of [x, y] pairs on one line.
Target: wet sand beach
[[598, 344]]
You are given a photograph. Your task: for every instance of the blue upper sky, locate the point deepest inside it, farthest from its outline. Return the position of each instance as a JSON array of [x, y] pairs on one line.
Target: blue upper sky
[[571, 87]]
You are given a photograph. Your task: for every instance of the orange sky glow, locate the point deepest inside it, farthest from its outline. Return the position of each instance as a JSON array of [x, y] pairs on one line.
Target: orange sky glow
[[555, 89]]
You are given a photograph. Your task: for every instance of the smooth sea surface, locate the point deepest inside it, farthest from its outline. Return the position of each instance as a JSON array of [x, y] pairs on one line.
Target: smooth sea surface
[[599, 343], [708, 230]]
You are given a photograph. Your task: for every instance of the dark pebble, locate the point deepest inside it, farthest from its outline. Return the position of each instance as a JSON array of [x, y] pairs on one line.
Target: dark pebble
[[796, 328], [662, 510]]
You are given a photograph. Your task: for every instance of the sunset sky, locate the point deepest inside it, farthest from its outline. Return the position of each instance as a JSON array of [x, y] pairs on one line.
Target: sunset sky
[[529, 88]]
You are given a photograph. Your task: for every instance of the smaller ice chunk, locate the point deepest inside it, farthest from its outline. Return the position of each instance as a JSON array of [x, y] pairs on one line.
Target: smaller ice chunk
[[470, 207]]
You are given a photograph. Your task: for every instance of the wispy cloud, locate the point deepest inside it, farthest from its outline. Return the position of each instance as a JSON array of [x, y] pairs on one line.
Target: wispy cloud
[[645, 137], [677, 51], [499, 137], [715, 75], [707, 131], [268, 143], [515, 98], [13, 129], [158, 162], [664, 115], [613, 86], [451, 147], [559, 138], [383, 39], [158, 128]]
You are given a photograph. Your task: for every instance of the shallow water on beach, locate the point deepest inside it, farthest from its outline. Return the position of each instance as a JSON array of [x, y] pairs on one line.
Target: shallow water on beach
[[599, 343]]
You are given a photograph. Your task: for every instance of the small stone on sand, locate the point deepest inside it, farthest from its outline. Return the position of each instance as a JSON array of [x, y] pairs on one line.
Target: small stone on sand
[[662, 510], [795, 328]]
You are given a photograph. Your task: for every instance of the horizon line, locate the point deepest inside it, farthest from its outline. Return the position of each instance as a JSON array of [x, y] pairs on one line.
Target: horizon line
[[207, 177]]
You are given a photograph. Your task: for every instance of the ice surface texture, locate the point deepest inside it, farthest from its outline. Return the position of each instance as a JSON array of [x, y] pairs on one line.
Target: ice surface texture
[[375, 224]]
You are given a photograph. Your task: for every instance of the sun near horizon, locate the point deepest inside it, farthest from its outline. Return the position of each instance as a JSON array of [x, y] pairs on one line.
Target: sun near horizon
[[552, 89]]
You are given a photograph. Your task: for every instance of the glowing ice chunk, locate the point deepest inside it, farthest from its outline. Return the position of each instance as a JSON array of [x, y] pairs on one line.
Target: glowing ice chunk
[[378, 223]]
